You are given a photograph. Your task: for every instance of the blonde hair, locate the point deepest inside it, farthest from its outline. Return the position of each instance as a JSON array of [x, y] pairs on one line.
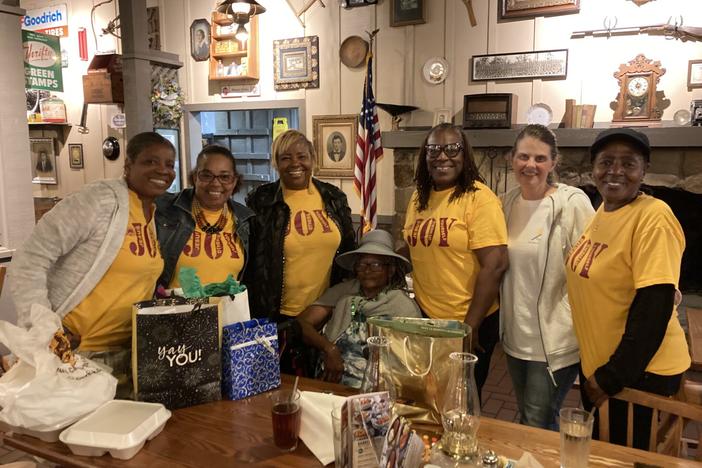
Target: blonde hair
[[285, 142]]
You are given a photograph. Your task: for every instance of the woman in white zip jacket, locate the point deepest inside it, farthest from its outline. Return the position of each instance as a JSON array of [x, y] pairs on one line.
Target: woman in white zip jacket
[[544, 220]]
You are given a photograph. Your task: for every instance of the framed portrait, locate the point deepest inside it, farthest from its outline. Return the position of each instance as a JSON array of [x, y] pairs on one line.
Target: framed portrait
[[200, 40], [532, 8], [43, 161], [520, 65], [443, 115], [405, 12], [694, 74], [296, 63], [335, 144], [75, 156]]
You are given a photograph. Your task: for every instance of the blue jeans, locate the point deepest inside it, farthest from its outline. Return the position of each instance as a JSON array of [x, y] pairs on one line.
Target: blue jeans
[[538, 399]]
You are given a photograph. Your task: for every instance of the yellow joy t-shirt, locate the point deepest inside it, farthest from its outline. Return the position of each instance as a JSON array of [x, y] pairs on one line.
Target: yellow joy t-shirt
[[104, 318], [311, 241], [636, 246], [442, 239], [214, 256]]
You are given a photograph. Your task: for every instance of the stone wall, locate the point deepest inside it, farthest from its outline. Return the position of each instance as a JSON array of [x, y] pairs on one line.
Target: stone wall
[[670, 167]]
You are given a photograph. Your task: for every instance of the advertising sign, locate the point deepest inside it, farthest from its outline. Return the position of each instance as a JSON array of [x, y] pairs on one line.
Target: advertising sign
[[42, 61], [51, 20]]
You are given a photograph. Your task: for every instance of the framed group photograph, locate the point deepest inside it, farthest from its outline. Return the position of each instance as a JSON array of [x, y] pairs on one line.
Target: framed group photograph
[[532, 8], [75, 156], [296, 63], [200, 40], [694, 74], [521, 65], [335, 144], [405, 12], [43, 161]]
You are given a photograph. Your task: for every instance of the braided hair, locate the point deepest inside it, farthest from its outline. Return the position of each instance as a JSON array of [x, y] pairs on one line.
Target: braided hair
[[464, 183]]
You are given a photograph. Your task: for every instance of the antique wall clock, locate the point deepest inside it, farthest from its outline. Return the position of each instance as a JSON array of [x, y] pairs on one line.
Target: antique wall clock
[[638, 100]]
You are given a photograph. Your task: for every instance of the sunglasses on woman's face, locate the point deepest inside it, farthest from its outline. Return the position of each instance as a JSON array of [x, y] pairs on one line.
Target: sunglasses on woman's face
[[360, 267], [451, 150]]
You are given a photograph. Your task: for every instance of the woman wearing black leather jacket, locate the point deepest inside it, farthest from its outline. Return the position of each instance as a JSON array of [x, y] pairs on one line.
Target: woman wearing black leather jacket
[[301, 225]]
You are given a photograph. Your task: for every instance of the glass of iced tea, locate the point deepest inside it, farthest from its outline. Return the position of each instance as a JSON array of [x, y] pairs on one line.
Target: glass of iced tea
[[286, 413]]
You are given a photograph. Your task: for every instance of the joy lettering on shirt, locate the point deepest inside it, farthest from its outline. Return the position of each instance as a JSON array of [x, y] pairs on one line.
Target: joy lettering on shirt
[[305, 223], [143, 242], [213, 245], [584, 255], [424, 232]]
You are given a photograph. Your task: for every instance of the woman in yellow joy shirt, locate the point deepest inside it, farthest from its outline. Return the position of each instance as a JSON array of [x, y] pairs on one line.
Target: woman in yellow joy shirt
[[96, 253], [301, 225], [204, 228], [622, 275], [457, 240]]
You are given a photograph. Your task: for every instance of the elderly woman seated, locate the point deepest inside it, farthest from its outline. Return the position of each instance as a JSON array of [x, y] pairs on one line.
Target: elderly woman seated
[[378, 290]]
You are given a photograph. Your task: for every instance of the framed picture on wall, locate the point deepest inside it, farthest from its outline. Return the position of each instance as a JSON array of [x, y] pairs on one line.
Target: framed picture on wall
[[296, 63], [43, 161], [335, 144], [694, 74], [172, 135], [532, 8], [75, 156], [521, 65], [443, 116], [405, 12], [200, 40]]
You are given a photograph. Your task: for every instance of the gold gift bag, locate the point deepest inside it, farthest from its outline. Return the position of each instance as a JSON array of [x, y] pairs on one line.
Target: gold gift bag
[[418, 357]]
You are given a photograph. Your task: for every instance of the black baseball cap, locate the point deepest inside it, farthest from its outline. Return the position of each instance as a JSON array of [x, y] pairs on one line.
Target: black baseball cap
[[638, 139]]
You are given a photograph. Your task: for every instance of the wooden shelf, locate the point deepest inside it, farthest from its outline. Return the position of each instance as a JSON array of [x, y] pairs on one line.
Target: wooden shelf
[[660, 137], [249, 54], [220, 37], [241, 53]]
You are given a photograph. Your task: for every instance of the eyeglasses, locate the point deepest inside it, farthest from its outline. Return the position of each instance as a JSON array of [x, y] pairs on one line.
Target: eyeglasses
[[208, 177], [365, 266], [451, 150]]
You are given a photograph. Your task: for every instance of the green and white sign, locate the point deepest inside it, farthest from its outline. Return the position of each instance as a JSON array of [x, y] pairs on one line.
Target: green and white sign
[[42, 61]]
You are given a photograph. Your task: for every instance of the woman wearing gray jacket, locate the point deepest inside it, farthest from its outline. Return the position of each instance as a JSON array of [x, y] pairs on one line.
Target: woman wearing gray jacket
[[544, 220]]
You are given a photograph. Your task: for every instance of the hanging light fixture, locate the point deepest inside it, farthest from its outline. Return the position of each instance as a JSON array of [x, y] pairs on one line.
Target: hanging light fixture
[[242, 35], [241, 11]]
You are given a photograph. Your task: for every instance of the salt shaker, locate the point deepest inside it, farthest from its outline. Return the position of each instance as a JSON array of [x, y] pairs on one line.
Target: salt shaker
[[490, 459]]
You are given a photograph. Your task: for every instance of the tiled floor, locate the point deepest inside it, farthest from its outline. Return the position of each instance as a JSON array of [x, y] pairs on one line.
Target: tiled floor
[[498, 395]]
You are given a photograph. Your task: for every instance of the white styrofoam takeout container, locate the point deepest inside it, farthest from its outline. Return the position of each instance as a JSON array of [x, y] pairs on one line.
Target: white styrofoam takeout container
[[121, 427]]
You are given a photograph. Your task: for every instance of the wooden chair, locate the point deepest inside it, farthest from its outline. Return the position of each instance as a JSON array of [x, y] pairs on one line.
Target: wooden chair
[[667, 420]]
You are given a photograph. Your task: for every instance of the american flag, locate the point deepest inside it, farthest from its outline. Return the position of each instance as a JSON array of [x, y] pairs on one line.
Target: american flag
[[369, 150]]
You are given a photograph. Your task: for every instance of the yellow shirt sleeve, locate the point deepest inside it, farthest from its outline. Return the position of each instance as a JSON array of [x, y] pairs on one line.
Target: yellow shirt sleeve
[[485, 220], [657, 250]]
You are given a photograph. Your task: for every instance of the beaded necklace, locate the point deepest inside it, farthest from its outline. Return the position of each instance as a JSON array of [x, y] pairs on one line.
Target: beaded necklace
[[202, 223]]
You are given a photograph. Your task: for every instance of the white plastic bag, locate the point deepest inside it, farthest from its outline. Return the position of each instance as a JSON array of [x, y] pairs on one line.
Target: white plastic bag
[[40, 392]]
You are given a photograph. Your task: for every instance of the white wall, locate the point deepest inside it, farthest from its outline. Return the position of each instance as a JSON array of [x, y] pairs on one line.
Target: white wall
[[400, 54]]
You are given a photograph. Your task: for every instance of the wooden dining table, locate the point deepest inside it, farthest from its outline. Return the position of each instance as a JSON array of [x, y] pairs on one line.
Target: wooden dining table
[[238, 433]]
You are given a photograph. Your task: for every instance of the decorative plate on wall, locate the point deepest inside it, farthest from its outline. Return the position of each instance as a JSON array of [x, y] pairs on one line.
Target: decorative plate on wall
[[353, 51], [539, 113], [435, 70]]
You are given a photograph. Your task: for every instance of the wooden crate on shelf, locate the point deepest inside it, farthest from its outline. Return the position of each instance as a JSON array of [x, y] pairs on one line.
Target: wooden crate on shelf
[[231, 60]]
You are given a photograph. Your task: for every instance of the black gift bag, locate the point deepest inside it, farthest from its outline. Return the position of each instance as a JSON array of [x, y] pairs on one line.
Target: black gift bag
[[176, 358]]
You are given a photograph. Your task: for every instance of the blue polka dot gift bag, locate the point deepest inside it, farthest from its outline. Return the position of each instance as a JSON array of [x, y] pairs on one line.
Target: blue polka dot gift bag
[[250, 362]]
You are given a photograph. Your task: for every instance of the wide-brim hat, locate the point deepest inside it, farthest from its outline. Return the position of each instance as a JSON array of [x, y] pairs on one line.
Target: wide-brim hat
[[638, 139], [353, 51], [376, 242]]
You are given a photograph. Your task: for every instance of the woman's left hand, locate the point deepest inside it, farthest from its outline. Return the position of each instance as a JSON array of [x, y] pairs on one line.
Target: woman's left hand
[[333, 365], [594, 392]]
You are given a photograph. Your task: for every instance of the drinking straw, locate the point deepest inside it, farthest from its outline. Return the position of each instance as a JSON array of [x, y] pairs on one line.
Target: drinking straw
[[292, 394]]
